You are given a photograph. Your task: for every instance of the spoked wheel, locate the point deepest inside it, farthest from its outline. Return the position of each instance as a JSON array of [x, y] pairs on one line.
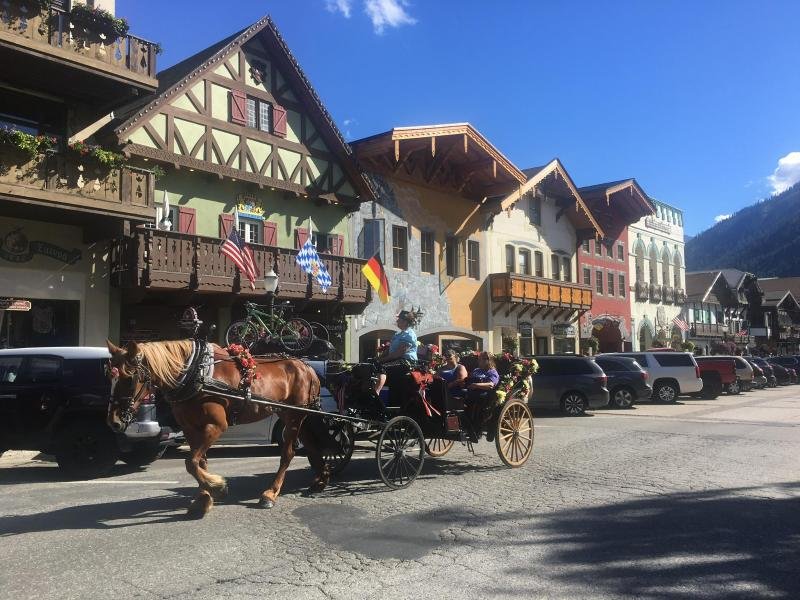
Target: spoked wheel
[[319, 330], [242, 332], [437, 447], [400, 452], [296, 335], [338, 450], [514, 438]]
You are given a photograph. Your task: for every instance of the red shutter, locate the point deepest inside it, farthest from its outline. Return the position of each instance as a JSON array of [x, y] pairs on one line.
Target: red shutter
[[339, 245], [186, 220], [238, 107], [270, 234], [300, 237], [279, 120], [225, 225]]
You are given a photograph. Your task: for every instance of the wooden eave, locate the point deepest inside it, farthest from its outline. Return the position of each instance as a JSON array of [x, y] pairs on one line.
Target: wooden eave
[[453, 157], [581, 216], [309, 100], [630, 204]]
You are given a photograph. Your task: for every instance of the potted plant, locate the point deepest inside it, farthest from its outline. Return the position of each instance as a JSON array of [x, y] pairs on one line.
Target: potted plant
[[98, 21], [590, 346]]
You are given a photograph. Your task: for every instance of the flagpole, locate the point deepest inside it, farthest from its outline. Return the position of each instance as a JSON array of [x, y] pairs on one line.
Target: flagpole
[[311, 230]]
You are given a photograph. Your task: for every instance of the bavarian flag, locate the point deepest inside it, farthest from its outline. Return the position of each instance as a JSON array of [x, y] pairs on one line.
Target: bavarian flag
[[376, 275]]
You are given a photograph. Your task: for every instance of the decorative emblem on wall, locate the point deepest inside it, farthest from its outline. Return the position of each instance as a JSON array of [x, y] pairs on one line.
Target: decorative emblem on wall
[[17, 248], [258, 71], [247, 203]]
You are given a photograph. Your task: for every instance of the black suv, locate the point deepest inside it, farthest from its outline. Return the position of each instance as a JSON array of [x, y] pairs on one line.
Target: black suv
[[55, 400], [570, 383], [627, 380]]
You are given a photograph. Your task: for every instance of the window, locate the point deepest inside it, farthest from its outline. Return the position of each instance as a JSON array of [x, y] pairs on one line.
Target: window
[[525, 262], [258, 114], [555, 267], [674, 359], [622, 286], [566, 268], [536, 210], [426, 252], [538, 259], [598, 248], [587, 276], [510, 258], [598, 279], [525, 339], [473, 259], [400, 247], [639, 358], [43, 369], [610, 284], [9, 368], [371, 239], [586, 246], [250, 230], [620, 252], [453, 257]]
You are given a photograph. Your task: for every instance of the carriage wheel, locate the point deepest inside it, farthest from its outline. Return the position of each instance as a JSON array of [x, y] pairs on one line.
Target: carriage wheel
[[242, 332], [514, 438], [437, 447], [400, 452], [296, 335], [338, 457]]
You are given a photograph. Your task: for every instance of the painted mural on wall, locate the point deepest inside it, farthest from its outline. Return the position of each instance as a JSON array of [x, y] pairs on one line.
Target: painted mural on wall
[[17, 248]]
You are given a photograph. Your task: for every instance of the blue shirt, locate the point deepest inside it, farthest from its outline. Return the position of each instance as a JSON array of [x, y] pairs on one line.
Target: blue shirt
[[409, 337], [484, 376]]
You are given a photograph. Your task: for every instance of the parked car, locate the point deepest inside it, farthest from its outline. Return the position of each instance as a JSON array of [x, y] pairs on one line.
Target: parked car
[[782, 374], [55, 400], [769, 373], [759, 378], [717, 373], [670, 373], [627, 380], [791, 363], [569, 383], [744, 375]]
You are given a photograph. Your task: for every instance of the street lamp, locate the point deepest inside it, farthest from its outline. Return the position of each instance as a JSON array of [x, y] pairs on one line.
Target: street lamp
[[271, 284]]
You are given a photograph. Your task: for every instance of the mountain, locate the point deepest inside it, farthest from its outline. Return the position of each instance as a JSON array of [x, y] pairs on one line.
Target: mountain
[[763, 239]]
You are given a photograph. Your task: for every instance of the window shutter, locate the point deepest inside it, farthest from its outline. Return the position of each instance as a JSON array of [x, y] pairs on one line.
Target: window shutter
[[186, 220], [339, 245], [462, 259], [279, 120], [225, 225], [300, 237], [238, 107], [270, 236]]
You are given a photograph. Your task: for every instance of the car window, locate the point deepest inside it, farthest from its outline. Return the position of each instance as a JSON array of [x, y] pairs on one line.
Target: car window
[[639, 358], [85, 371], [9, 368], [546, 367], [674, 359], [42, 369], [610, 365], [575, 367]]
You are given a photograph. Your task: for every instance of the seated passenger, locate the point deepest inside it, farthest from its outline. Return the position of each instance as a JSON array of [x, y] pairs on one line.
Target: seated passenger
[[402, 352], [480, 389], [453, 374]]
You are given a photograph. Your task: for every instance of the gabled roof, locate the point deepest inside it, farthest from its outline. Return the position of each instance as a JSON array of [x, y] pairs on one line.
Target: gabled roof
[[629, 204], [536, 175], [774, 284], [175, 79], [699, 284]]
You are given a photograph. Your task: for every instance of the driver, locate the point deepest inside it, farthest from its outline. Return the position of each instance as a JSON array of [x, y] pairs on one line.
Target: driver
[[402, 352]]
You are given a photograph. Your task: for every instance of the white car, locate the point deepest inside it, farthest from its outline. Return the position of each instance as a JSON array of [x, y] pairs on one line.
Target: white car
[[671, 373]]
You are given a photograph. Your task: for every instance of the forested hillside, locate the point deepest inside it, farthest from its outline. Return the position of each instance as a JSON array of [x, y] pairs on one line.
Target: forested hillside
[[763, 239]]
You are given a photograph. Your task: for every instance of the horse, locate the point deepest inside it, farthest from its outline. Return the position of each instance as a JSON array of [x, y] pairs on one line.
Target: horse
[[138, 370]]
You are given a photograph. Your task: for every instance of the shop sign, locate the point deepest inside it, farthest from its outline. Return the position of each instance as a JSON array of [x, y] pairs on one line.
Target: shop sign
[[563, 330], [12, 304], [17, 248]]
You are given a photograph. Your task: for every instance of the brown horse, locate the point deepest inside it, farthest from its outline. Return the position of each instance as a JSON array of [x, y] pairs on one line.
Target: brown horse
[[139, 370]]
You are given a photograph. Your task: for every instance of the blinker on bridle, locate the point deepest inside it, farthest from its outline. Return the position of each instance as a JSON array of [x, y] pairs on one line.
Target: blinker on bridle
[[141, 374]]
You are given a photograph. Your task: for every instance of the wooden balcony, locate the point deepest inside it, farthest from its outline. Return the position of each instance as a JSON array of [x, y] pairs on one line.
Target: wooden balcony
[[45, 50], [166, 260], [708, 330], [66, 181], [538, 296]]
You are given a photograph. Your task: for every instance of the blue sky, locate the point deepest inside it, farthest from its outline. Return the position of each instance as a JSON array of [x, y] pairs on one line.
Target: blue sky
[[697, 100]]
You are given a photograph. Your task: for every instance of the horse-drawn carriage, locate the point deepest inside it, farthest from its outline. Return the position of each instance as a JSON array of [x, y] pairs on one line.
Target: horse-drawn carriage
[[209, 387]]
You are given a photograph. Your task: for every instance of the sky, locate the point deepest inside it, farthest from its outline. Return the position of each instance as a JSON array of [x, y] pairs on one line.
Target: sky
[[696, 100]]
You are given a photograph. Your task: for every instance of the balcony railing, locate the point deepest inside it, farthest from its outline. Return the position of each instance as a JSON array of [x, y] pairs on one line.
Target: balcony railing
[[668, 295], [680, 296], [52, 32], [642, 290], [71, 182], [167, 260], [514, 289], [655, 292], [708, 329]]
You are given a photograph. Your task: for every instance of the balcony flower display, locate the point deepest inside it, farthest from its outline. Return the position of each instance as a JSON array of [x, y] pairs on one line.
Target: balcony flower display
[[97, 20], [26, 142]]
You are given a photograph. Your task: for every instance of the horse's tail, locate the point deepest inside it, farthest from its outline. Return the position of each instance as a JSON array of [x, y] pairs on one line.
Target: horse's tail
[[314, 400]]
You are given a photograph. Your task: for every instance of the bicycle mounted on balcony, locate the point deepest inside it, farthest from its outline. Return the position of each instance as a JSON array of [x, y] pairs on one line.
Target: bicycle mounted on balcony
[[294, 335]]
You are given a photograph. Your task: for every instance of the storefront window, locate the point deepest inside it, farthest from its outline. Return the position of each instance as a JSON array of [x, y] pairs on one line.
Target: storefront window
[[525, 339], [564, 345], [48, 323]]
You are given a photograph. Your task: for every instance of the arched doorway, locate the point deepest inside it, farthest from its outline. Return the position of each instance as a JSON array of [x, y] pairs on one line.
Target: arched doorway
[[369, 342], [646, 334], [607, 331]]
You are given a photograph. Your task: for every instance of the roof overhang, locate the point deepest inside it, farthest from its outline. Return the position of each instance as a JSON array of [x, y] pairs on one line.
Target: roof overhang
[[617, 204], [455, 157]]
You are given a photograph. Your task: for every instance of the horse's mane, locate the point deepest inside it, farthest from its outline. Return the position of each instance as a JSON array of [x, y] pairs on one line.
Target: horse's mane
[[166, 360]]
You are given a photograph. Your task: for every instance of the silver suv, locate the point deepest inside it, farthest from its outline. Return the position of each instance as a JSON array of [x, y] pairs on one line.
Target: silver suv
[[671, 373]]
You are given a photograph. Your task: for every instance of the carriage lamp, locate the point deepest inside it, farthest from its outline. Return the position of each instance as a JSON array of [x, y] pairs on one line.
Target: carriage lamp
[[271, 284]]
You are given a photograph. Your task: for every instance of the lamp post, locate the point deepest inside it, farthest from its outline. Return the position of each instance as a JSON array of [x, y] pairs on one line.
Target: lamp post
[[271, 283]]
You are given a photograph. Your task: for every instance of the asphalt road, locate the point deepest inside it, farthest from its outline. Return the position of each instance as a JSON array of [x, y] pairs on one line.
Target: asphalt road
[[695, 500]]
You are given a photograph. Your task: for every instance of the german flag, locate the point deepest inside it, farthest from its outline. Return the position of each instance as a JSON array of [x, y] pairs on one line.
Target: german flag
[[376, 275]]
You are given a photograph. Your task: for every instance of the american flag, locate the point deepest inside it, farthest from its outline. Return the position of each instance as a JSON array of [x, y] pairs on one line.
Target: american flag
[[680, 323], [240, 253]]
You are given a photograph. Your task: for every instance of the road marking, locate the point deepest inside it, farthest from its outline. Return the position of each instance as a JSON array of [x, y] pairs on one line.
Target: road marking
[[113, 481]]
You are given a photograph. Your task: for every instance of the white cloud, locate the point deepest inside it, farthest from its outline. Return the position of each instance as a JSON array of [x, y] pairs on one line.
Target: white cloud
[[342, 6], [388, 13], [719, 218], [787, 173]]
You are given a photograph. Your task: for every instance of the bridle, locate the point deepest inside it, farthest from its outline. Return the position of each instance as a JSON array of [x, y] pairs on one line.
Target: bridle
[[125, 404]]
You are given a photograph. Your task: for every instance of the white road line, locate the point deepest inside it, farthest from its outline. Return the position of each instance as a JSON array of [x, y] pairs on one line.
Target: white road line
[[112, 481]]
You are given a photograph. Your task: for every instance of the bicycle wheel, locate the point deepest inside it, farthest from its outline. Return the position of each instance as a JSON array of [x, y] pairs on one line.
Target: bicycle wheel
[[319, 330], [241, 332], [296, 335]]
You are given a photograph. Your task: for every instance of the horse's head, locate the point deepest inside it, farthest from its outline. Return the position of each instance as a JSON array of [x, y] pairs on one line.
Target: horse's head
[[130, 384]]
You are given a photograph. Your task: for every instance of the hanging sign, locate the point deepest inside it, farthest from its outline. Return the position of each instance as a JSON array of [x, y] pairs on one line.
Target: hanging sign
[[16, 247], [563, 330], [12, 304]]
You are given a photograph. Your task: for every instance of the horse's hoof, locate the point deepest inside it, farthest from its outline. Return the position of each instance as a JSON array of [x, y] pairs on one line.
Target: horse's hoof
[[316, 488], [219, 493], [266, 503]]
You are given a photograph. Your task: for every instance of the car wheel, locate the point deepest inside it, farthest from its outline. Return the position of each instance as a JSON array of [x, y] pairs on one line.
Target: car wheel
[[622, 397], [666, 392], [734, 388], [86, 449], [573, 404], [711, 389], [143, 454]]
